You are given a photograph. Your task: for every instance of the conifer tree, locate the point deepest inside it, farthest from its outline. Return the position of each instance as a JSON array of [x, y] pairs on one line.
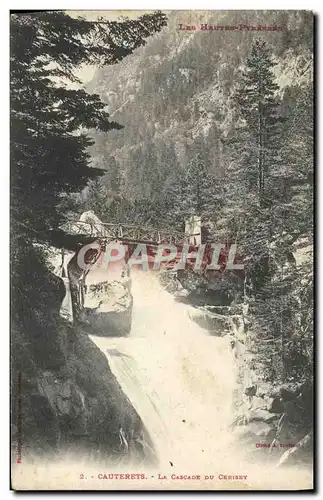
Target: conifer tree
[[257, 147], [200, 194], [51, 119], [269, 204]]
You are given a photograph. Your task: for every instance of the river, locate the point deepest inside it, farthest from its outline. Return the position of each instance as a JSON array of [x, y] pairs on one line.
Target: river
[[181, 381], [179, 378]]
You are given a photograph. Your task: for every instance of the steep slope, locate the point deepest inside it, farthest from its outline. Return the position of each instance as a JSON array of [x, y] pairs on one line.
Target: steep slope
[[173, 96]]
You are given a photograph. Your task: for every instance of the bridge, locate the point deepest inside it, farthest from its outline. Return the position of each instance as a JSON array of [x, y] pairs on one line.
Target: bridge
[[128, 233], [131, 235]]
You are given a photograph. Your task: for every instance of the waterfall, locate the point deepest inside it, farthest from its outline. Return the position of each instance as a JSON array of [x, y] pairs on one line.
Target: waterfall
[[181, 381], [179, 378]]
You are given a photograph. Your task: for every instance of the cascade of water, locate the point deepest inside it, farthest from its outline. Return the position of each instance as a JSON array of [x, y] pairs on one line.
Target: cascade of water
[[179, 378]]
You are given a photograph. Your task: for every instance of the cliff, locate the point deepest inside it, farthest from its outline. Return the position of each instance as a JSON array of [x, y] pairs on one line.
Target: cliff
[[65, 399]]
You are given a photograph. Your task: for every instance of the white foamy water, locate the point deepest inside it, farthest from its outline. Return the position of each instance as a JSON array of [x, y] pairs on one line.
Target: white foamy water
[[179, 378]]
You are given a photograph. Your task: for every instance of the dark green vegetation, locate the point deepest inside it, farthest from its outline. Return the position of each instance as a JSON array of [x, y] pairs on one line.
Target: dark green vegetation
[[50, 123], [221, 124], [214, 123]]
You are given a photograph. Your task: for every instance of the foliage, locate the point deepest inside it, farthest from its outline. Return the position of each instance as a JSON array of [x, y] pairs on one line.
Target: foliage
[[51, 116], [257, 190], [273, 165]]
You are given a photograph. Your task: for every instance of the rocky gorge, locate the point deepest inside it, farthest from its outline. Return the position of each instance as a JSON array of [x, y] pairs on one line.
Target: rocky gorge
[[65, 399], [176, 368]]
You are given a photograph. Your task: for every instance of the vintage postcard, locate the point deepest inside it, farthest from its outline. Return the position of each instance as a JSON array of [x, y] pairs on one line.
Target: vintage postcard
[[162, 250]]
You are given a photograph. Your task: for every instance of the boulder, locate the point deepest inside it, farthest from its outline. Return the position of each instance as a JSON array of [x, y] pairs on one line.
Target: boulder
[[260, 414], [258, 402], [259, 428], [215, 324], [107, 308]]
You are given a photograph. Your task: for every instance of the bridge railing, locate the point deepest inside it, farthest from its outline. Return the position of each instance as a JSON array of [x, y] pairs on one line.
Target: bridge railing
[[124, 232]]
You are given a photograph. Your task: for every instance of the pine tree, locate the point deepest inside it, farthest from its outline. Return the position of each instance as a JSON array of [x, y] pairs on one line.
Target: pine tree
[[114, 180], [97, 198], [253, 151], [51, 120], [294, 177], [269, 205], [200, 191], [257, 147]]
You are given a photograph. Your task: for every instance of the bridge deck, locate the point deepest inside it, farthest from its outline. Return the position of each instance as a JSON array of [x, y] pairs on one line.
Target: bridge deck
[[126, 232]]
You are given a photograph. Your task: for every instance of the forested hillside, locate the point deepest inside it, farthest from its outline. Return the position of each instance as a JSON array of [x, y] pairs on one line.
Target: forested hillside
[[174, 98], [220, 124], [216, 124]]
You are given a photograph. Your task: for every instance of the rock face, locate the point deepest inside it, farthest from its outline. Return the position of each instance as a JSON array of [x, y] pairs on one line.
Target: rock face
[[267, 417], [100, 298], [216, 324], [209, 288], [108, 308], [65, 399], [58, 261], [79, 407]]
